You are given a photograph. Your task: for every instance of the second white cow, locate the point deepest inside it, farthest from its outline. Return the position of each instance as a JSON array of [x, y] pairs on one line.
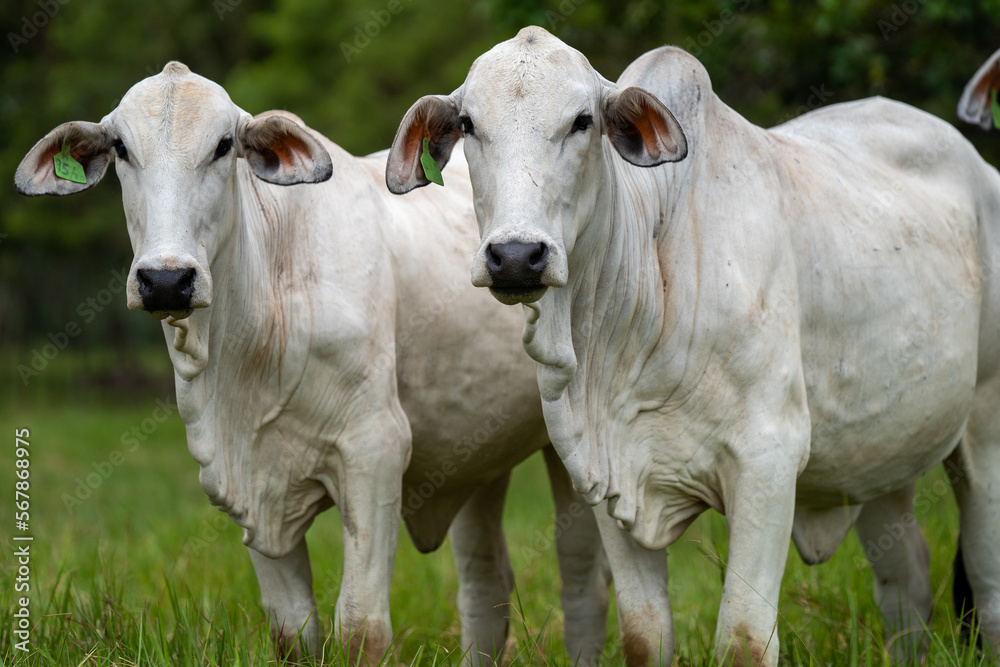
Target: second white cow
[[788, 326], [325, 354]]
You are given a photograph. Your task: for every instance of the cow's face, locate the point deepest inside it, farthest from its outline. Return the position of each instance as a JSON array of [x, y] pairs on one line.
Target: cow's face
[[533, 112], [175, 139]]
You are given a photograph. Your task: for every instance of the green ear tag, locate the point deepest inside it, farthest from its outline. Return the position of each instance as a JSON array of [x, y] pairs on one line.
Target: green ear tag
[[68, 168], [995, 108], [431, 169]]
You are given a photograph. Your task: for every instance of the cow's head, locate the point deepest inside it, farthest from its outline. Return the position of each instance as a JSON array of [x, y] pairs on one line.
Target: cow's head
[[175, 139], [975, 105], [533, 112]]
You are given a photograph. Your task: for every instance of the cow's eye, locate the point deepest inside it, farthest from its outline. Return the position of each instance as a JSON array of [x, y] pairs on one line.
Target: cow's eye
[[223, 148], [583, 122], [467, 126], [120, 149]]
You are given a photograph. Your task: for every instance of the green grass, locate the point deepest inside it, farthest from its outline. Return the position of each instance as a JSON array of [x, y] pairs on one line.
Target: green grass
[[143, 571]]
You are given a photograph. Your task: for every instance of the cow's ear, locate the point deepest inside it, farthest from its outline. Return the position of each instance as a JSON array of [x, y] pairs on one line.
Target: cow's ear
[[975, 104], [432, 116], [641, 129], [88, 145], [281, 151]]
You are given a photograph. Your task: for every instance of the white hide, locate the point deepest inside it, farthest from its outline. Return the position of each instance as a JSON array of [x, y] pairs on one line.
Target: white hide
[[787, 325], [329, 329]]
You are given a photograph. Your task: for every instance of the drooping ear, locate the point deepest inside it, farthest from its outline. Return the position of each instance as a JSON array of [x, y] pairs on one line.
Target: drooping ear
[[89, 145], [434, 116], [974, 105], [281, 151], [641, 129]]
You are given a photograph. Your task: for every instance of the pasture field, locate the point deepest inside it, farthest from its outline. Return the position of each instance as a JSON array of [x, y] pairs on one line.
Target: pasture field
[[130, 564]]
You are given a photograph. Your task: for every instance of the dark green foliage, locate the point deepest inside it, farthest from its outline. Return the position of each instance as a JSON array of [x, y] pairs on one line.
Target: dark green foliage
[[769, 60]]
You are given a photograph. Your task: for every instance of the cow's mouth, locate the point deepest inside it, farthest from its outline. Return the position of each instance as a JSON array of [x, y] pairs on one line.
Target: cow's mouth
[[514, 295], [176, 314]]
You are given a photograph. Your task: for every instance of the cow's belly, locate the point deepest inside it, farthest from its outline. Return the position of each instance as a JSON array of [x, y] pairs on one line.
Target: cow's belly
[[889, 379], [853, 463], [470, 394], [474, 414]]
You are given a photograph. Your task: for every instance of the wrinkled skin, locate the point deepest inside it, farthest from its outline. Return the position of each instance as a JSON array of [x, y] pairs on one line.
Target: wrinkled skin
[[326, 353], [788, 325]]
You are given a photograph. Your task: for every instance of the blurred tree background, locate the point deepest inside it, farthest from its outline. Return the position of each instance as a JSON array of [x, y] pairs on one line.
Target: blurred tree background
[[74, 59]]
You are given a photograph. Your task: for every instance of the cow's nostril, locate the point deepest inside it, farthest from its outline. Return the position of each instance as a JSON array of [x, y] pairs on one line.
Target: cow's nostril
[[166, 289], [538, 258], [145, 286], [186, 284], [516, 265], [493, 261]]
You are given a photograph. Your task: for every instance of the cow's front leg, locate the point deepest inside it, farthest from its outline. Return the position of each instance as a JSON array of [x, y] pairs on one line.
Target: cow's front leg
[[287, 594], [583, 567], [369, 496], [901, 568], [640, 577], [485, 578], [760, 507]]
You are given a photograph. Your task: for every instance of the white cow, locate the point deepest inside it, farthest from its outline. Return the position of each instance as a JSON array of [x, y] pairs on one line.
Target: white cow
[[314, 332], [788, 326], [975, 107]]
